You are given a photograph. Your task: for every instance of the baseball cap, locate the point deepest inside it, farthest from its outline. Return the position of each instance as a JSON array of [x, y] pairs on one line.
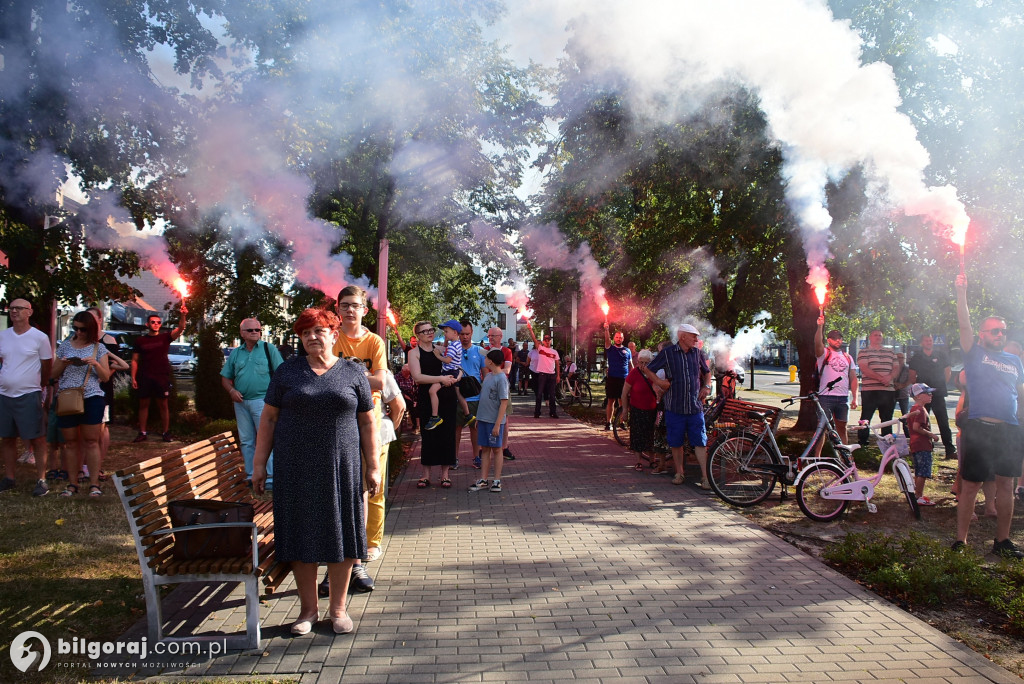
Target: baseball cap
[[834, 335], [920, 388], [687, 328], [453, 324]]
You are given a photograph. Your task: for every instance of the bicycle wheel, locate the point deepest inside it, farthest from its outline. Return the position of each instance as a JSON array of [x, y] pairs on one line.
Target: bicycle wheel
[[907, 487], [584, 395], [734, 474], [563, 394], [808, 496], [620, 428]]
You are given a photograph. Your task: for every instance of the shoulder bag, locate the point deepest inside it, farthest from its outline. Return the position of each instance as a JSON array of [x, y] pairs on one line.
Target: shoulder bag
[[71, 401], [219, 542]]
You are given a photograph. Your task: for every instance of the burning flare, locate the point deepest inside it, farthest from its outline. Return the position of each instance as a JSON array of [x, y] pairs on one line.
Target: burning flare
[[605, 308], [391, 318], [181, 286]]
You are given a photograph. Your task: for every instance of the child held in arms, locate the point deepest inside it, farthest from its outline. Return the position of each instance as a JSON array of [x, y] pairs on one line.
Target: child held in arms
[[921, 440], [450, 355]]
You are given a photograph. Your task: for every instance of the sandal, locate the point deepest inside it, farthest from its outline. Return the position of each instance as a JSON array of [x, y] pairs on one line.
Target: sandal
[[70, 490], [103, 476], [52, 474], [95, 491], [638, 467], [61, 475], [423, 483], [446, 483], [82, 477]]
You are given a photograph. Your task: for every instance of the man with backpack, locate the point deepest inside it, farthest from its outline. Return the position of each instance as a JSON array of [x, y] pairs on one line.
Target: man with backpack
[[832, 362]]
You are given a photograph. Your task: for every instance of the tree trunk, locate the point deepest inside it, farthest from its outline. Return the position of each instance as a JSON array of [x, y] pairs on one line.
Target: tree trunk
[[805, 323]]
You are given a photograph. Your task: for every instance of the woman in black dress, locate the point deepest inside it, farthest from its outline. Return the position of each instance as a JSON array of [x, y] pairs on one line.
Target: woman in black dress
[[317, 417], [438, 445]]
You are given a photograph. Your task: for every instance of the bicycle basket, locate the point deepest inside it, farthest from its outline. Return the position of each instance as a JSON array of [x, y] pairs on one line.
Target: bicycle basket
[[901, 442]]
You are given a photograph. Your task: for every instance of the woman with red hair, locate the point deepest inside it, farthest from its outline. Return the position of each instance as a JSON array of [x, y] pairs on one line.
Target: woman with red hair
[[318, 416]]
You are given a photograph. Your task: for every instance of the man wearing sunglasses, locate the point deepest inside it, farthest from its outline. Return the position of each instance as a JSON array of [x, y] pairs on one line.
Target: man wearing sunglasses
[[246, 376], [151, 371], [991, 442]]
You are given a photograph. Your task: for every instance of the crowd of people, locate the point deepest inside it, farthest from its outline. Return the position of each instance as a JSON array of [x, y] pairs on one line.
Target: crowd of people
[[329, 484]]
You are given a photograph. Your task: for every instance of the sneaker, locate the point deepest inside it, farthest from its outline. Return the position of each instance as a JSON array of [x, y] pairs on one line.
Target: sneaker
[[607, 427], [496, 486], [167, 437], [480, 484], [456, 466], [958, 546], [6, 483], [28, 458], [41, 489], [373, 553], [471, 422], [433, 423], [478, 461], [141, 437], [507, 453], [925, 501], [361, 582], [1007, 549]]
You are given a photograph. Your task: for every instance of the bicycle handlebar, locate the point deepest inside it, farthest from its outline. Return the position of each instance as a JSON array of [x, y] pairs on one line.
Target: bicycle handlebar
[[879, 426]]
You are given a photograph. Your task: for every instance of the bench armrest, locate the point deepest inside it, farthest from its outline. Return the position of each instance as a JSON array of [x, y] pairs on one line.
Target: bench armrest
[[209, 526]]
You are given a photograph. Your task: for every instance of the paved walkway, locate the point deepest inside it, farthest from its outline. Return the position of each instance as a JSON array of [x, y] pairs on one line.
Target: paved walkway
[[582, 570]]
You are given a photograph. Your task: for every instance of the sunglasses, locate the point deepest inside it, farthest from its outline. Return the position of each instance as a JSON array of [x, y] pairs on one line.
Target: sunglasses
[[424, 331], [79, 328], [18, 308], [252, 329], [995, 331]]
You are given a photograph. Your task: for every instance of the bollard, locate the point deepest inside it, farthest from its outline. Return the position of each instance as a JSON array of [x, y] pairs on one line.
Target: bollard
[[792, 373]]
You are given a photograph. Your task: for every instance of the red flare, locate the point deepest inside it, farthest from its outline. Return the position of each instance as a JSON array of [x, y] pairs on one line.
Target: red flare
[[819, 292], [605, 308], [181, 286], [391, 318]]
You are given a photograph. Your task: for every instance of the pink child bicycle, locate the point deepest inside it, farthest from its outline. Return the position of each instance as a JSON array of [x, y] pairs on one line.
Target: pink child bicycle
[[824, 490]]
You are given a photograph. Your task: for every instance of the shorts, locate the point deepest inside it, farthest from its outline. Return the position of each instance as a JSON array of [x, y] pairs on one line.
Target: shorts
[[461, 416], [835, 406], [93, 414], [990, 449], [22, 416], [53, 433], [922, 464], [453, 373], [613, 388], [679, 426], [484, 437], [154, 388]]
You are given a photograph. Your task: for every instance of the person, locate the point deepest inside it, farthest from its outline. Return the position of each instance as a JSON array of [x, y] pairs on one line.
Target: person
[[990, 442], [24, 392], [531, 358], [549, 373], [877, 392], [409, 392], [151, 372], [522, 361], [639, 395], [513, 374], [437, 449], [356, 343], [491, 415], [450, 355], [689, 384], [619, 360], [921, 440], [834, 363], [494, 342], [930, 366], [472, 366], [318, 418], [116, 364], [995, 380], [82, 362], [901, 383], [246, 377], [570, 370]]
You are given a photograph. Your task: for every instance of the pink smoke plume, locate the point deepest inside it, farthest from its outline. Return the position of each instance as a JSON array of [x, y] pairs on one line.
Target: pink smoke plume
[[545, 245]]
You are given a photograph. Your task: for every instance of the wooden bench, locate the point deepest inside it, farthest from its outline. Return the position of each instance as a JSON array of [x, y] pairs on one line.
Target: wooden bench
[[733, 416], [210, 469]]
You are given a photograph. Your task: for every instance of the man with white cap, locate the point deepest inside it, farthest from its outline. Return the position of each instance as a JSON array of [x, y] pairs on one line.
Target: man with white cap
[[688, 379]]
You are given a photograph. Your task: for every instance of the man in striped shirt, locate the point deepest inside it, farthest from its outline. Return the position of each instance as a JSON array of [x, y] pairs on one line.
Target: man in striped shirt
[[878, 369], [688, 379]]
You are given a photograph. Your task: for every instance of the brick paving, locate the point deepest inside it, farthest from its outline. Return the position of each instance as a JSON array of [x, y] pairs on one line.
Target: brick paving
[[583, 570]]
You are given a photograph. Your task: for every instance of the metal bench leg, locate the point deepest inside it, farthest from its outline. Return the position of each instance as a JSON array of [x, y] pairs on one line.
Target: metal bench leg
[[252, 612], [154, 612]]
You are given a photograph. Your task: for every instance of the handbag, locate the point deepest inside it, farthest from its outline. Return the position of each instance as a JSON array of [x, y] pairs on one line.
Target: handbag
[[71, 401], [469, 386], [219, 542]]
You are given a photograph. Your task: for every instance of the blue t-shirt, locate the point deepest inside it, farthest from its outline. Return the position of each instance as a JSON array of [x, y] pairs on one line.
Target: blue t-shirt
[[992, 381], [495, 388], [472, 362], [618, 361]]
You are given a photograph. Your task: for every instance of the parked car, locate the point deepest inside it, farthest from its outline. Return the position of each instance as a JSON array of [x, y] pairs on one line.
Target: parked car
[[182, 358]]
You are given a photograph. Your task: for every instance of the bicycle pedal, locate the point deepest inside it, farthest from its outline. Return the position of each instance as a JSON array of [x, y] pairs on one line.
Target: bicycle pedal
[[872, 508]]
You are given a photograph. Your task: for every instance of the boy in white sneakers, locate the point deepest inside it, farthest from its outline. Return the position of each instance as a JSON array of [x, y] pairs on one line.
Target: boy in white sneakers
[[490, 415]]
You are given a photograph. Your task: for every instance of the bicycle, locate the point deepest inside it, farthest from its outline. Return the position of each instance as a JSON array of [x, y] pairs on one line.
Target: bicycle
[[577, 390], [825, 491], [743, 470]]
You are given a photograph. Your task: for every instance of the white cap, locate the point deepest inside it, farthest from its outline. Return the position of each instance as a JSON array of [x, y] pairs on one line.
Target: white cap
[[687, 328]]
